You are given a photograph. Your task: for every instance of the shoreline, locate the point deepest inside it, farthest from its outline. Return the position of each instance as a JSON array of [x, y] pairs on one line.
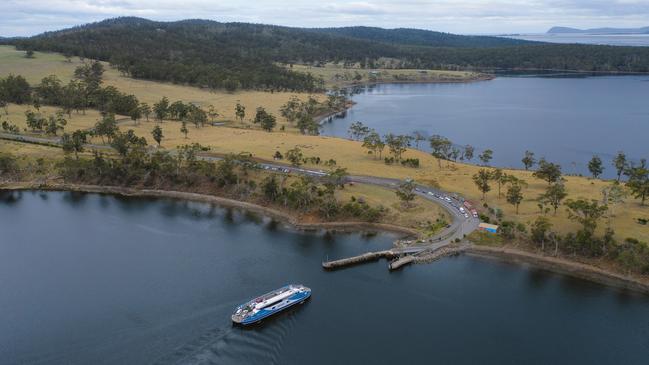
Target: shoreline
[[294, 222], [562, 266], [552, 264]]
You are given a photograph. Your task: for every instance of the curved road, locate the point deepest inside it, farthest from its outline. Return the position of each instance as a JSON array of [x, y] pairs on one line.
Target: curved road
[[460, 226]]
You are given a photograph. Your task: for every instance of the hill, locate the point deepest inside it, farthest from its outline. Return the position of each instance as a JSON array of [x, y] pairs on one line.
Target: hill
[[567, 30], [240, 55], [419, 37]]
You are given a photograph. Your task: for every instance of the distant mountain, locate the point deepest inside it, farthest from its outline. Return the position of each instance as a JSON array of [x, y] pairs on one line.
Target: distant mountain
[[419, 37], [566, 30]]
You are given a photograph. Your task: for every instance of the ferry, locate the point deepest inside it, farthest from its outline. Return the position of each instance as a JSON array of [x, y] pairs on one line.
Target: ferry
[[270, 303]]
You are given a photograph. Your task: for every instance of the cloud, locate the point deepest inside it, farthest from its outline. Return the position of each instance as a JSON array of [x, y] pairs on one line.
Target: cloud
[[28, 17]]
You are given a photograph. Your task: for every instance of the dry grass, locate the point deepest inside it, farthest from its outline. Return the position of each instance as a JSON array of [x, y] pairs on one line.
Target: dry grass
[[336, 75], [422, 212], [45, 64], [76, 121], [349, 154]]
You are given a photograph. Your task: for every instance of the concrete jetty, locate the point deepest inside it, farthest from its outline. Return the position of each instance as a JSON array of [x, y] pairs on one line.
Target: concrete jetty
[[369, 256], [401, 261]]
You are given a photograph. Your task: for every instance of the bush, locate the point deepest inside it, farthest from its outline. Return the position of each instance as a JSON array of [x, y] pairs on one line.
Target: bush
[[8, 164], [410, 162]]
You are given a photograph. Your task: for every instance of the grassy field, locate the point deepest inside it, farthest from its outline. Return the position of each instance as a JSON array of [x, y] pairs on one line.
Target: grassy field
[[16, 116], [419, 216], [336, 75], [349, 154], [45, 64]]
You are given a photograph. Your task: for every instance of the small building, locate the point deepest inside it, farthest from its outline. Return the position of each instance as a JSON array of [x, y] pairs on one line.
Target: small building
[[491, 228]]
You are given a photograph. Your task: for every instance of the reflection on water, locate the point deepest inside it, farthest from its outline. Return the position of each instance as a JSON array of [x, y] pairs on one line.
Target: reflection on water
[[89, 278]]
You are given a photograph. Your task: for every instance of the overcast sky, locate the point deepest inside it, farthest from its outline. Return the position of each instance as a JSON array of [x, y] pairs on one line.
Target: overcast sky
[[28, 17]]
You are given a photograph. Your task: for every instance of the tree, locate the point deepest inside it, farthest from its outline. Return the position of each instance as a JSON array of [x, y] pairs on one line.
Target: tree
[[638, 181], [374, 144], [196, 115], [34, 121], [157, 135], [74, 143], [55, 123], [620, 164], [291, 110], [183, 129], [515, 195], [295, 156], [15, 89], [29, 54], [418, 137], [613, 195], [554, 194], [455, 153], [540, 227], [135, 114], [486, 156], [500, 178], [441, 147], [586, 213], [145, 110], [307, 125], [125, 142], [406, 192], [240, 112], [4, 105], [357, 131], [481, 180], [396, 144], [528, 160], [337, 176], [595, 166], [270, 188], [161, 108], [468, 153], [212, 113], [266, 120], [548, 171], [106, 127]]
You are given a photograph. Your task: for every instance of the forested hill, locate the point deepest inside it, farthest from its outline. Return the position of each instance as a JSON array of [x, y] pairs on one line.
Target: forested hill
[[241, 55], [419, 37]]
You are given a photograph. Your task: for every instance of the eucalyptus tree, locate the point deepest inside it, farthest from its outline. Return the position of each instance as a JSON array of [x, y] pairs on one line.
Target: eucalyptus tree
[[468, 153], [441, 147], [486, 156], [554, 195], [595, 166], [157, 135], [240, 111], [528, 160], [548, 171], [621, 164], [638, 181], [481, 180]]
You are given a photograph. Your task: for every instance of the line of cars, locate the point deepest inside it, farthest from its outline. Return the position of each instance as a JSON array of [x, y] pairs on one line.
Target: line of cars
[[464, 208]]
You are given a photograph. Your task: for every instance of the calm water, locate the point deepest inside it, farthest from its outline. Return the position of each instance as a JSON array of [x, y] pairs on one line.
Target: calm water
[[567, 120], [641, 40], [90, 279]]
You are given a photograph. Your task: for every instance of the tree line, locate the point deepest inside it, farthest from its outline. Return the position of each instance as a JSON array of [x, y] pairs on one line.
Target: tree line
[[238, 55]]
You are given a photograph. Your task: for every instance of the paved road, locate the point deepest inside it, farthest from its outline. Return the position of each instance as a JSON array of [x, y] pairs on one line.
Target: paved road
[[460, 226]]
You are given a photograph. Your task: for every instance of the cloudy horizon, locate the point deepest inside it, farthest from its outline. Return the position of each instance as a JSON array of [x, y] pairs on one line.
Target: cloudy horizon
[[30, 17]]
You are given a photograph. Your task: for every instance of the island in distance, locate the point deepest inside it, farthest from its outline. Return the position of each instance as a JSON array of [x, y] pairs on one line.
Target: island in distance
[[601, 31]]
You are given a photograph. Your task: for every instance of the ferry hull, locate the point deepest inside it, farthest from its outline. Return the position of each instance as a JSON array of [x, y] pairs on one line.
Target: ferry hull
[[278, 300]]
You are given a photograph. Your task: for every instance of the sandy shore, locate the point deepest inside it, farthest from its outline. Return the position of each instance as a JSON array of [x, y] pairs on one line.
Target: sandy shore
[[563, 266]]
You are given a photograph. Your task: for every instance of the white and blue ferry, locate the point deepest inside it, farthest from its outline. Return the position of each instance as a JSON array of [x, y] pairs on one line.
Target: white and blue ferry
[[270, 303]]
